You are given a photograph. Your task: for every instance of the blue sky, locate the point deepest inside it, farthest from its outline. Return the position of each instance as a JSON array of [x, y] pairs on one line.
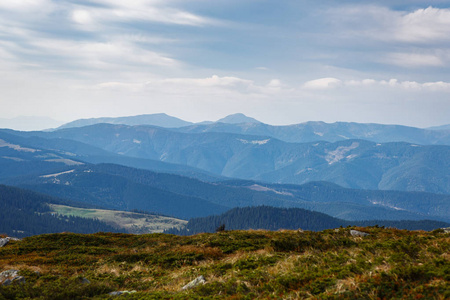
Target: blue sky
[[281, 62]]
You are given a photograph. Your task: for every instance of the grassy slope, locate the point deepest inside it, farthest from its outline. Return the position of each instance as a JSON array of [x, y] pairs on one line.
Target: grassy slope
[[130, 221], [330, 264]]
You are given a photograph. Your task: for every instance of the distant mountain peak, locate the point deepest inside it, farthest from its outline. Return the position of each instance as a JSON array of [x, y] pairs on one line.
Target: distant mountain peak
[[237, 118], [158, 119]]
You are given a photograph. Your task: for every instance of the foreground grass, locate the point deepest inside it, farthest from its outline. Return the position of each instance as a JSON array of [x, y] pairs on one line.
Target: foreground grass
[[129, 221], [330, 264]]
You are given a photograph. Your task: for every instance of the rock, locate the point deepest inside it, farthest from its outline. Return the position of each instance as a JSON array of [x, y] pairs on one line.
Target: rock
[[3, 242], [11, 277], [84, 280], [15, 280], [358, 233], [8, 274], [446, 230], [6, 240], [196, 282], [118, 293]]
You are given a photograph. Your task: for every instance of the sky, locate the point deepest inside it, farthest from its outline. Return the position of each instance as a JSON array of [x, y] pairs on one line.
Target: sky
[[281, 62]]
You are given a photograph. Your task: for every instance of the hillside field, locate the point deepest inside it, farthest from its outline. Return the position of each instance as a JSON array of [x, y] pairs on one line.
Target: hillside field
[[330, 264], [129, 221]]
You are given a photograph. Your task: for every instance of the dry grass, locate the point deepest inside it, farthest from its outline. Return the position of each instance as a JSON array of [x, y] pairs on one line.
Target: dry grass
[[251, 264]]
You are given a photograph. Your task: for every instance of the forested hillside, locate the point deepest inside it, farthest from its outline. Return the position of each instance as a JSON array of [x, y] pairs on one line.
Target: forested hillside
[[271, 218], [25, 213]]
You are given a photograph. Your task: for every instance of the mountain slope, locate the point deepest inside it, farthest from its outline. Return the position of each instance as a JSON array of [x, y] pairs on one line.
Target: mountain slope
[[18, 158], [87, 185], [124, 188], [25, 213], [321, 131], [161, 120], [350, 163], [326, 195], [15, 161]]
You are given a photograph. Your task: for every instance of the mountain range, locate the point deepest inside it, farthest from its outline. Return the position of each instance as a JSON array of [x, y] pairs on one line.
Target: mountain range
[[349, 171], [296, 133], [350, 163]]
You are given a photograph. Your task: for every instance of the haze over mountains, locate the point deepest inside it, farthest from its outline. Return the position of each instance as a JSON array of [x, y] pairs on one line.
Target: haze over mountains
[[296, 133], [161, 120], [29, 123], [347, 170], [350, 163]]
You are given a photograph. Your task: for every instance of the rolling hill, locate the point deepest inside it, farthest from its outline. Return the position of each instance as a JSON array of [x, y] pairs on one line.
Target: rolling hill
[[118, 187], [271, 218]]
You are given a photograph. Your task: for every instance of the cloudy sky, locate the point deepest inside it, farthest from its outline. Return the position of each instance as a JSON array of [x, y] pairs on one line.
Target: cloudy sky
[[282, 62]]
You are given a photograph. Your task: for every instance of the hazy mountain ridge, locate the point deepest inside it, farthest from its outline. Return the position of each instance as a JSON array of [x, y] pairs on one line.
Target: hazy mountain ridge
[[237, 119], [74, 150], [350, 163], [161, 120], [17, 157], [331, 132], [297, 133]]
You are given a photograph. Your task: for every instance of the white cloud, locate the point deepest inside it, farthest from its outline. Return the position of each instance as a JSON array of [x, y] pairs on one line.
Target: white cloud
[[322, 83], [211, 81], [364, 82], [101, 55], [330, 83], [423, 25], [82, 16], [111, 12], [211, 84], [24, 5], [27, 36], [275, 83], [414, 60]]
